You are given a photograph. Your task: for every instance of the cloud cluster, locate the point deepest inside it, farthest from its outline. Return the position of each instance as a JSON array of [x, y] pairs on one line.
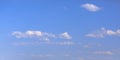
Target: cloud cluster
[[104, 32], [91, 7], [40, 34], [43, 38]]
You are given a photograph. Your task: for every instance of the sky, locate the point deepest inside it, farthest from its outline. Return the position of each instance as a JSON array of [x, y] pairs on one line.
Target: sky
[[59, 30]]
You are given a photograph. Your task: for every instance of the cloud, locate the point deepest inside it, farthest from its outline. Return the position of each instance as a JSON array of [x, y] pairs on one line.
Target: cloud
[[92, 45], [30, 34], [91, 7], [65, 35], [26, 43], [104, 32], [103, 53], [67, 43], [116, 51], [42, 38], [40, 35], [37, 55], [41, 55]]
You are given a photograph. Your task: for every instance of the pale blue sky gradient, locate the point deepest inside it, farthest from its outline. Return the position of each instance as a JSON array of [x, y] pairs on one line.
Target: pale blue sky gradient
[[57, 17]]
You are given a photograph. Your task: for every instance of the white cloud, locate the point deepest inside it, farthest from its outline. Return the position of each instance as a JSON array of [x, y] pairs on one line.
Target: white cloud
[[91, 7], [34, 33], [65, 35], [30, 34], [18, 34], [103, 53], [104, 32], [42, 38], [40, 35], [95, 35]]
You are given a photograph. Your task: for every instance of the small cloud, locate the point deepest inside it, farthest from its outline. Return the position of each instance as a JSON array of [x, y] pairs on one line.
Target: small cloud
[[103, 53], [95, 35], [91, 7], [65, 35], [104, 32]]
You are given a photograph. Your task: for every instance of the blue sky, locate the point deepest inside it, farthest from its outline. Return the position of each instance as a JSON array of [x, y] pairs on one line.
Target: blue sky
[[59, 30]]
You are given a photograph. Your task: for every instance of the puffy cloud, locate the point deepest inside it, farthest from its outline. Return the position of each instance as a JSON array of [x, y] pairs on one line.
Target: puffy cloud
[[65, 35], [103, 52], [104, 32], [34, 33], [91, 7]]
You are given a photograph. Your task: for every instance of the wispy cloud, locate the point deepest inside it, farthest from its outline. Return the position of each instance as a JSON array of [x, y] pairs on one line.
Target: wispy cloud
[[41, 55], [67, 43], [103, 53], [45, 55], [104, 32], [91, 7], [92, 45], [37, 55], [40, 35], [26, 43]]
